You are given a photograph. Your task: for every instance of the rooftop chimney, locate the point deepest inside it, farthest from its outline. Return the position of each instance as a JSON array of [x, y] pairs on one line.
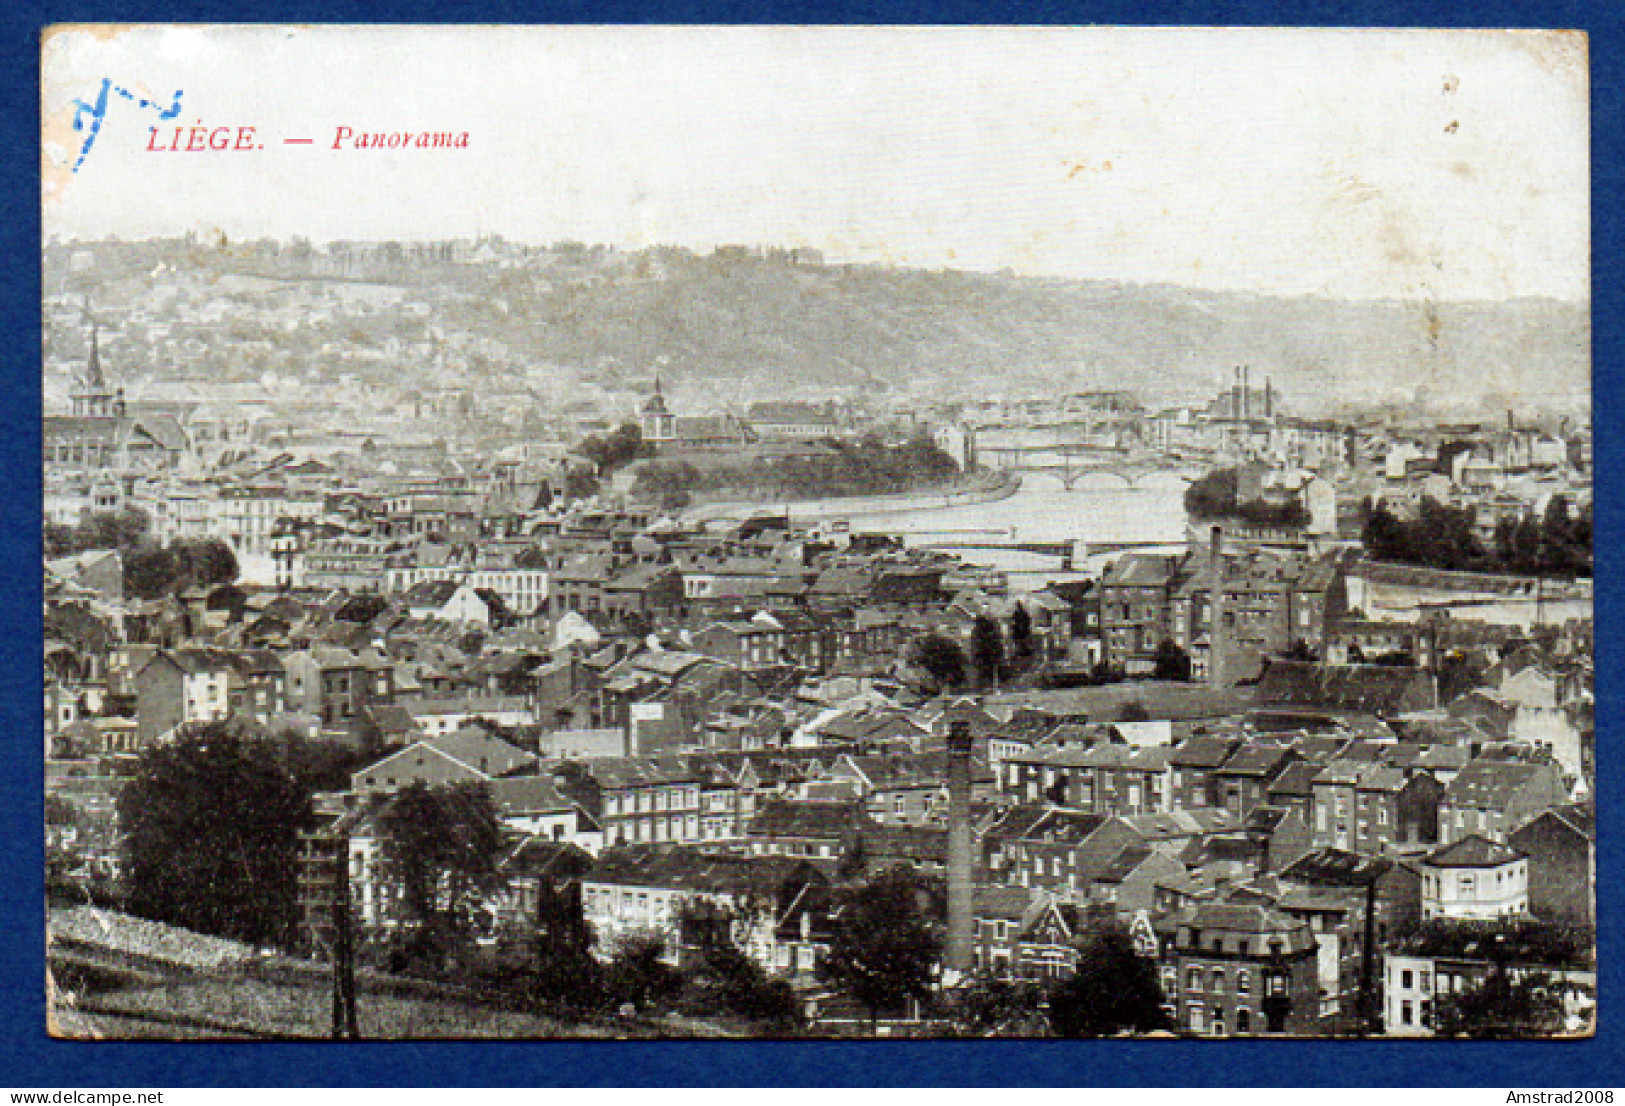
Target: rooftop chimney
[[1218, 633], [960, 945]]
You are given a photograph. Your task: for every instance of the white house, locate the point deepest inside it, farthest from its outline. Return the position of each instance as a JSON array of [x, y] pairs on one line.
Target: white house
[[1475, 878], [533, 805], [443, 716], [448, 601]]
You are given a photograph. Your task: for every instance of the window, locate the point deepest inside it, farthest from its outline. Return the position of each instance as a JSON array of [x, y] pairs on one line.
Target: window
[[1407, 1016], [1244, 1021], [1218, 983], [1193, 979], [1244, 986], [1427, 982], [1405, 979], [1198, 1019]]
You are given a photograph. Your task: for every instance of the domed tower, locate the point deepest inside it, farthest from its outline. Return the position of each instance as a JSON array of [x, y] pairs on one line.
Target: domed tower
[[658, 423]]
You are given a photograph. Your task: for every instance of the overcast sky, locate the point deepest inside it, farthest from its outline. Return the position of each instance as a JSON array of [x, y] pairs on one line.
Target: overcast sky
[[1442, 165]]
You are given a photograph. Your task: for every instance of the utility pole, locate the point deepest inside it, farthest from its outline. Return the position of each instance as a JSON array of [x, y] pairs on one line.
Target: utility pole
[[345, 1023], [1369, 1014]]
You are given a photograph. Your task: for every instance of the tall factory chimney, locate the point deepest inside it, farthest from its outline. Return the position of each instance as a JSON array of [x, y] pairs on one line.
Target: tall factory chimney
[[1269, 398], [1218, 631], [960, 956], [1246, 392], [1235, 393]]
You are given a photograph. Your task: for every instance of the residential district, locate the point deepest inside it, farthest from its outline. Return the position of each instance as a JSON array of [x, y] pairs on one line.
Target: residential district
[[1327, 780]]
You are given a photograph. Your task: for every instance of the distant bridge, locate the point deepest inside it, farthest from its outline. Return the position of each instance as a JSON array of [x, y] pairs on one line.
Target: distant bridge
[[1074, 465], [1062, 549]]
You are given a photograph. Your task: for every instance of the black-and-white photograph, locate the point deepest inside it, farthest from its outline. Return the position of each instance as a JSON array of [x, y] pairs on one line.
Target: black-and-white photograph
[[817, 532]]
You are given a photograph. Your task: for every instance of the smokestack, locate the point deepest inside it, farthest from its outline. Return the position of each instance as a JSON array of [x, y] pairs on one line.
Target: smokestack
[[1218, 634], [1269, 398], [1235, 393], [1246, 392], [960, 956]]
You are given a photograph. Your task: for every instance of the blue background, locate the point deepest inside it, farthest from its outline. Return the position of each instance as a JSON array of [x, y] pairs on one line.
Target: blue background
[[28, 1058]]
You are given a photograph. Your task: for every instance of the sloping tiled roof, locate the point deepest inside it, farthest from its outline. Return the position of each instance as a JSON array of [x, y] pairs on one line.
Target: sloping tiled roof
[[1228, 918], [1296, 778], [1490, 784], [677, 867], [1031, 823], [806, 818], [1202, 752], [516, 795], [1008, 901], [1254, 760], [478, 749], [1473, 851]]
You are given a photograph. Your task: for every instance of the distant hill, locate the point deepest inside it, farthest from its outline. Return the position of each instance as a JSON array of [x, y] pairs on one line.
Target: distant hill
[[775, 324], [761, 321]]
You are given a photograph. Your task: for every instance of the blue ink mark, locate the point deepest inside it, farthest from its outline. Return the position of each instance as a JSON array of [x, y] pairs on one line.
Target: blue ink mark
[[98, 112]]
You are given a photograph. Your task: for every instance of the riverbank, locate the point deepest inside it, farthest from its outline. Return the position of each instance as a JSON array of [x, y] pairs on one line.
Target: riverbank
[[980, 489]]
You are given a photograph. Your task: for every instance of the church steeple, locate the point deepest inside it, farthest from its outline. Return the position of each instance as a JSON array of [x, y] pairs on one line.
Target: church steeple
[[93, 398], [94, 380], [658, 423], [657, 402]]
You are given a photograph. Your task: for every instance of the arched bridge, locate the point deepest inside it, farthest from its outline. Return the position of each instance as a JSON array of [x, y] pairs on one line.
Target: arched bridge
[[1086, 466]]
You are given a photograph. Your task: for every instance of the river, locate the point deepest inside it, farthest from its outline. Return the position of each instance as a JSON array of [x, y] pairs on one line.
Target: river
[[1040, 511], [1037, 514]]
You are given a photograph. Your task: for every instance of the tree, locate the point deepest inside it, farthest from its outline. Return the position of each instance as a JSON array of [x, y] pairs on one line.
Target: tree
[[942, 659], [638, 976], [986, 650], [1113, 990], [441, 848], [580, 484], [1022, 646], [1460, 671], [728, 981], [719, 978], [1300, 650], [1213, 495], [211, 823], [567, 973], [992, 1006], [1133, 711], [123, 530], [885, 945], [1170, 662], [620, 447], [532, 556], [154, 573], [1530, 1005]]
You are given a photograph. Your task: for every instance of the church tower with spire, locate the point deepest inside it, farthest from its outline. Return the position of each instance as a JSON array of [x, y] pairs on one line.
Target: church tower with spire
[[93, 399], [658, 425]]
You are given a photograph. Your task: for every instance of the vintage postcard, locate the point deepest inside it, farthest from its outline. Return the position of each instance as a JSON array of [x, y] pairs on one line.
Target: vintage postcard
[[817, 532]]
